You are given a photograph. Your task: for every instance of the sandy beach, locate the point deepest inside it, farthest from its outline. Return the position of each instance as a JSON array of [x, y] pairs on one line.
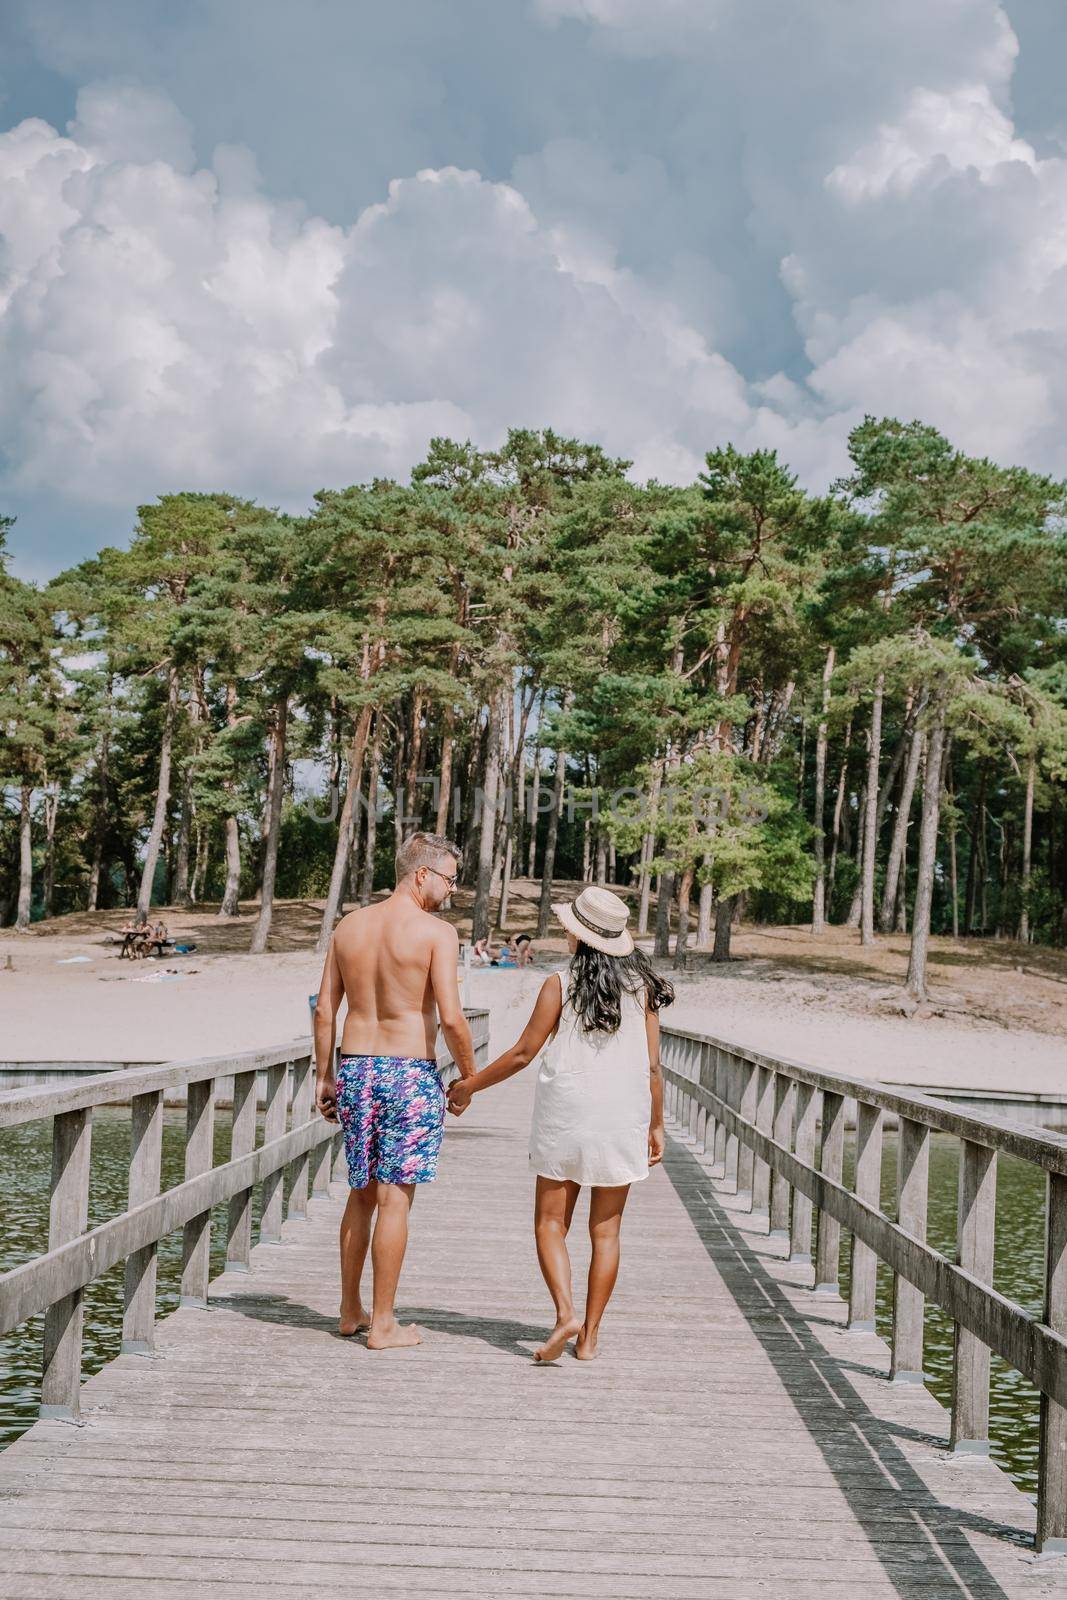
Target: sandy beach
[[998, 1019]]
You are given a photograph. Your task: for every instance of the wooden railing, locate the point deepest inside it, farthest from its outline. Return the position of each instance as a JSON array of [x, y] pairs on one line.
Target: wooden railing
[[775, 1131], [309, 1148]]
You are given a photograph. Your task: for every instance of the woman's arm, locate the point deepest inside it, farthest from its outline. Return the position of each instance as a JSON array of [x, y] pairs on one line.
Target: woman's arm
[[543, 1022], [656, 1135]]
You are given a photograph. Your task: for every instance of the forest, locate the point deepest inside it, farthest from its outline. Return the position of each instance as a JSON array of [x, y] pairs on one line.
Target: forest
[[557, 666]]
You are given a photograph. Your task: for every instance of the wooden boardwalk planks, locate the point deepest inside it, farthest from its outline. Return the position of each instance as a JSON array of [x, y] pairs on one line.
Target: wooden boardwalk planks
[[734, 1440]]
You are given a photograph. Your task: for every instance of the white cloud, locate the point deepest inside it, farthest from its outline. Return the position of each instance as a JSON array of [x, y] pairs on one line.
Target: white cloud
[[166, 327]]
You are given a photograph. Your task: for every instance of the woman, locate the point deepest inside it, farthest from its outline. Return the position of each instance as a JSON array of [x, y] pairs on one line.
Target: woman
[[598, 1110]]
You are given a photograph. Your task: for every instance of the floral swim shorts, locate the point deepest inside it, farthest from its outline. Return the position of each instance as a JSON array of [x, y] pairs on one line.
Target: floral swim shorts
[[392, 1111]]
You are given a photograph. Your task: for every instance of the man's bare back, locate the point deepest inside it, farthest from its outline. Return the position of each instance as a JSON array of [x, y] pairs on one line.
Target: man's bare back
[[388, 957]]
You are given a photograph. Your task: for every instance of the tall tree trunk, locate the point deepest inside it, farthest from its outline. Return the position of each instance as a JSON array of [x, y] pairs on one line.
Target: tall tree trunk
[[1028, 834], [410, 821], [818, 911], [505, 884], [648, 849], [854, 910], [367, 890], [601, 856], [200, 859], [685, 889], [279, 730], [548, 865], [924, 886], [100, 817], [870, 828], [839, 806], [480, 919], [444, 793], [25, 905], [229, 905], [185, 827], [664, 895], [724, 921], [533, 813], [901, 823], [51, 817], [344, 830], [976, 829], [952, 873], [900, 924], [148, 874], [705, 910]]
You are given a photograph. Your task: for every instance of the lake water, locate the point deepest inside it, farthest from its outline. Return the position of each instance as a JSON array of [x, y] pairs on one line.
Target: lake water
[[25, 1165]]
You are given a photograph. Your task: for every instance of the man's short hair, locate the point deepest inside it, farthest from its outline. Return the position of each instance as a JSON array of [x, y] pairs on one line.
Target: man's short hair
[[425, 850]]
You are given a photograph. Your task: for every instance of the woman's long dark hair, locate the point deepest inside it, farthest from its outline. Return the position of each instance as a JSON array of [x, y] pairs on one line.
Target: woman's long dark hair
[[597, 983]]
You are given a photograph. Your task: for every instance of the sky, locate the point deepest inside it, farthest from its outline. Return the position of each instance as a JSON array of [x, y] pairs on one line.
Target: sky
[[267, 247]]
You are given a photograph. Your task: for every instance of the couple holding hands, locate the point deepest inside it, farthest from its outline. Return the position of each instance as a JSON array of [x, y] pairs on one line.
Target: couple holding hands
[[598, 1109]]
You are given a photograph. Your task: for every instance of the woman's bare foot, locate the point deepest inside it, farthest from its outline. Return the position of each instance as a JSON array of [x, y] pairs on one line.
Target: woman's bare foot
[[586, 1347], [356, 1321], [556, 1342], [393, 1337]]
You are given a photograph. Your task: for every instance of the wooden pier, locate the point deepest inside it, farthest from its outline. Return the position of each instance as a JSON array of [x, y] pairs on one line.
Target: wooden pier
[[736, 1439]]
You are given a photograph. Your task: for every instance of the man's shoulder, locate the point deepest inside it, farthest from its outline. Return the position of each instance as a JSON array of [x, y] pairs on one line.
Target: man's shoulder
[[441, 931]]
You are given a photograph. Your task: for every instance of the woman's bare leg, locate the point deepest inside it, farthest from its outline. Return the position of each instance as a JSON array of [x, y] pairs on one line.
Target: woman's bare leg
[[355, 1242], [553, 1210], [605, 1221]]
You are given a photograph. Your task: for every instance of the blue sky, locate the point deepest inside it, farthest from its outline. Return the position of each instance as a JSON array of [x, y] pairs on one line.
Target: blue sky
[[268, 247]]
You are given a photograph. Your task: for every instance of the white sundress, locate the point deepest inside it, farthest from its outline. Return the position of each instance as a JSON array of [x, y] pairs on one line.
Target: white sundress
[[593, 1101]]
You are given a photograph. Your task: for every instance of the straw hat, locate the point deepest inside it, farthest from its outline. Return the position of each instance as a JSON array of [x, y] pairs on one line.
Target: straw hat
[[599, 918]]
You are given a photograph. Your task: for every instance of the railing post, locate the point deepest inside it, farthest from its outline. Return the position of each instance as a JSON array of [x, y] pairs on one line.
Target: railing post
[[297, 1209], [828, 1243], [976, 1221], [807, 1112], [781, 1192], [863, 1284], [199, 1157], [146, 1149], [1051, 1533], [761, 1170], [747, 1109], [270, 1221], [693, 1074], [722, 1090], [338, 1159], [732, 1153], [242, 1141], [913, 1170], [706, 1079], [68, 1213]]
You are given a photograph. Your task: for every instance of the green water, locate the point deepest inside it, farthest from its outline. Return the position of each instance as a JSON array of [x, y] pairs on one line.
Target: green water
[[25, 1173], [25, 1160]]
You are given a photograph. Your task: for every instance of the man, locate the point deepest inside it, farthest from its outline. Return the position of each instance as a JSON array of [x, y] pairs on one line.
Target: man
[[396, 965]]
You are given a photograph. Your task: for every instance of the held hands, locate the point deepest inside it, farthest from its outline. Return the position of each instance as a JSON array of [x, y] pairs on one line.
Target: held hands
[[655, 1145], [326, 1099], [459, 1096]]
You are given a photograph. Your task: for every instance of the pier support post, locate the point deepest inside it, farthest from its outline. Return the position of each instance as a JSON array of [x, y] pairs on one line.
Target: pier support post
[[913, 1172], [199, 1157], [863, 1278], [68, 1213], [828, 1244], [1051, 1535], [242, 1141], [807, 1111], [146, 1149], [781, 1191], [270, 1222]]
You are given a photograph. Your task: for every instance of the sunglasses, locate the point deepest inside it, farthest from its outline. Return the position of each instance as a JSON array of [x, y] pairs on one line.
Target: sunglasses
[[451, 881]]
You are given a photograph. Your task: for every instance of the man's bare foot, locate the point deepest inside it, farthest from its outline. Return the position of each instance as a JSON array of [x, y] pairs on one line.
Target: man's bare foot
[[356, 1322], [586, 1348], [393, 1337], [556, 1342]]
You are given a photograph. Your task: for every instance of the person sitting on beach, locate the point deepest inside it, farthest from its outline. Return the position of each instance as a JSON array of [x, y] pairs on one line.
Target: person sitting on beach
[[598, 1107], [483, 953], [522, 949]]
